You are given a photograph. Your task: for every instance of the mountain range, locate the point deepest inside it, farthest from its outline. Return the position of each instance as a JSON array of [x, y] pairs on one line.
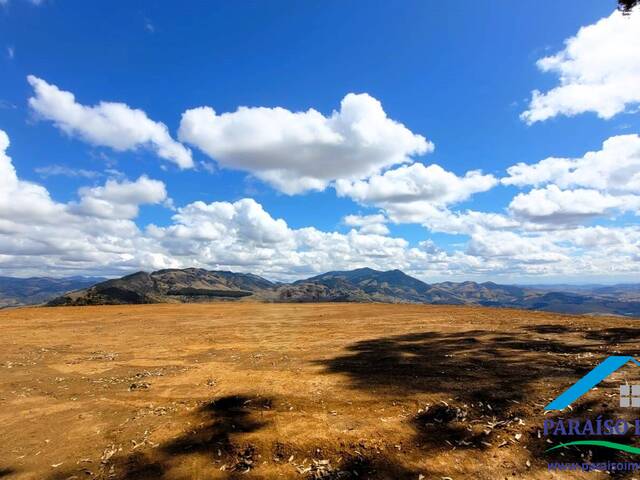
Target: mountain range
[[360, 285]]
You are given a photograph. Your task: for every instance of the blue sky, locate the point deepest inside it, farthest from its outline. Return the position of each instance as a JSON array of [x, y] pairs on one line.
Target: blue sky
[[458, 74]]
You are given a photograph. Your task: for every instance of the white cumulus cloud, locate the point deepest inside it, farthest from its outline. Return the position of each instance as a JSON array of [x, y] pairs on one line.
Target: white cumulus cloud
[[416, 182], [20, 200], [614, 169], [109, 124], [368, 223], [553, 205], [120, 199], [570, 190], [301, 151], [599, 71]]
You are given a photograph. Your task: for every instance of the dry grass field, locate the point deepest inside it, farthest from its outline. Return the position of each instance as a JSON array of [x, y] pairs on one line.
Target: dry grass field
[[242, 390]]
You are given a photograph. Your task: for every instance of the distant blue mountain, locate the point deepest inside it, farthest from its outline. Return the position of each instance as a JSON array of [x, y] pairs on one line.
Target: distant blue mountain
[[34, 290]]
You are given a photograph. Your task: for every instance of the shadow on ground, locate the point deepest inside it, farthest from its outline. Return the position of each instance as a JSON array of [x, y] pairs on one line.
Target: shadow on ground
[[489, 391], [608, 336], [224, 417], [221, 424], [219, 436], [474, 366], [493, 385]]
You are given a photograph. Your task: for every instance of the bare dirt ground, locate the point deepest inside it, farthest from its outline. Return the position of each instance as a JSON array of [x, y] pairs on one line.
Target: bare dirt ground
[[222, 391]]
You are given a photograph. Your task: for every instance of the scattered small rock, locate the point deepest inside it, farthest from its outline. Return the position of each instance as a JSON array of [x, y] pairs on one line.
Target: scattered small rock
[[139, 386]]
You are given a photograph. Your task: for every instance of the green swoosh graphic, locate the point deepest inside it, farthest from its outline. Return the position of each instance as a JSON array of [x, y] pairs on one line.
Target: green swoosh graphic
[[599, 443]]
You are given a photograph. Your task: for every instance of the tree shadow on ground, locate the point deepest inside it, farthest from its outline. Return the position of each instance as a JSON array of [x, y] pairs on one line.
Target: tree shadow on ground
[[219, 436], [609, 336], [464, 426], [222, 422], [619, 335], [224, 417], [485, 382], [491, 367]]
